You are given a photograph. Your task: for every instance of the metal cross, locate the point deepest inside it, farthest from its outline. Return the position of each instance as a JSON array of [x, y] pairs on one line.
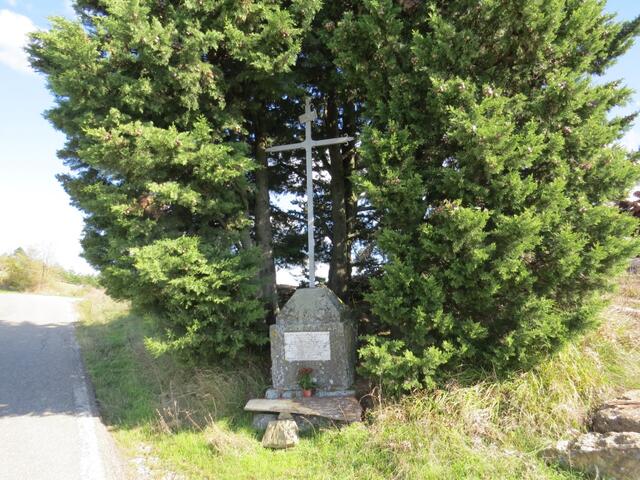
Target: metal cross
[[308, 144]]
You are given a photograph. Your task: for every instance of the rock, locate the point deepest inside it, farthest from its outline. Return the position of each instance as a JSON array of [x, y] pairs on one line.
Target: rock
[[613, 455], [313, 423], [281, 434], [306, 423], [261, 421], [634, 266], [619, 415]]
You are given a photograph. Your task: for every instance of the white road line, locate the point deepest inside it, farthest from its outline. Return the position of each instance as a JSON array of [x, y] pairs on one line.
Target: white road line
[[91, 467]]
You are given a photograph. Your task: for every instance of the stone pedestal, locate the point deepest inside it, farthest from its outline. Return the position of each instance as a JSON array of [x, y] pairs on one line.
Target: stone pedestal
[[280, 434], [313, 330]]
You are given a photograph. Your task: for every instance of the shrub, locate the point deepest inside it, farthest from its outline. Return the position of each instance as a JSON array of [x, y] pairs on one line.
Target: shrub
[[494, 166], [21, 272], [152, 99], [207, 298]]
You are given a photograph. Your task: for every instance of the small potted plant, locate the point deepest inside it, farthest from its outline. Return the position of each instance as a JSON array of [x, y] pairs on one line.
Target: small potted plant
[[306, 381]]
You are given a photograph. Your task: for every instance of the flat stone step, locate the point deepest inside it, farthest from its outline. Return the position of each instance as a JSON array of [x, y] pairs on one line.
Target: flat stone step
[[343, 409], [619, 415], [631, 310]]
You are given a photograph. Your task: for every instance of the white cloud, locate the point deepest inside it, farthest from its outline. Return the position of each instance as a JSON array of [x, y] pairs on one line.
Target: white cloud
[[631, 141], [13, 38]]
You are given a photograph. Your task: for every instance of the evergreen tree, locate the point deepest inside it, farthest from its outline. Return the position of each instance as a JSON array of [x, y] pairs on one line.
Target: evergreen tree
[[494, 167], [342, 228], [489, 165], [152, 97]]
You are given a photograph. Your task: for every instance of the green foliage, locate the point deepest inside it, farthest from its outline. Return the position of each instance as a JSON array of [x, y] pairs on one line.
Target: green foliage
[[192, 420], [30, 270], [494, 166], [74, 278], [305, 380], [150, 96], [489, 165], [20, 271], [206, 295]]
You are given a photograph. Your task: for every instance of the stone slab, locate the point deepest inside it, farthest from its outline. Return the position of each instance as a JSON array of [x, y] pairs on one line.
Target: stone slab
[[336, 373], [340, 409], [273, 394], [614, 455], [619, 415], [307, 346]]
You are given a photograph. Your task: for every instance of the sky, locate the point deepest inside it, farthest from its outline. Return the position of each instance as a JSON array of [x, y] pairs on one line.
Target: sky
[[34, 209]]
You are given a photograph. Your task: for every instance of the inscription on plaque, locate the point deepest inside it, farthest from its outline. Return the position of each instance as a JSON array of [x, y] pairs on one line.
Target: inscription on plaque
[[307, 346]]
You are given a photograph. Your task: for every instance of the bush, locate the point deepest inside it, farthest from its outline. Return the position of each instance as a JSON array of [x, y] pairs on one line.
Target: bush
[[79, 279], [159, 158], [208, 298], [21, 272], [494, 166]]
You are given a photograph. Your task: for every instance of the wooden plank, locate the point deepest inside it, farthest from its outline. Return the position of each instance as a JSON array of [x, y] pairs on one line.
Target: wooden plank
[[345, 409]]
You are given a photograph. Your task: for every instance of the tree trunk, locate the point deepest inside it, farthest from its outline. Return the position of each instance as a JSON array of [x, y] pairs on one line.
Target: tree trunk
[[340, 264], [264, 234], [349, 162]]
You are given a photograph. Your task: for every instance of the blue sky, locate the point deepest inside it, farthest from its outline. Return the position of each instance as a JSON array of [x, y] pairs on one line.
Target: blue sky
[[34, 210]]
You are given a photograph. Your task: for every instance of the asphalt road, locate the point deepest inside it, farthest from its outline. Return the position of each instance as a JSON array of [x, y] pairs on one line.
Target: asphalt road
[[49, 428]]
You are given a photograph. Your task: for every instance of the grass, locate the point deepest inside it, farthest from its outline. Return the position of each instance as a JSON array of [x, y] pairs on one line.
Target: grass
[[189, 421]]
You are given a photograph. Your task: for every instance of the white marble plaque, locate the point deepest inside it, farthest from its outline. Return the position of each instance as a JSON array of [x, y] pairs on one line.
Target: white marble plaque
[[307, 346]]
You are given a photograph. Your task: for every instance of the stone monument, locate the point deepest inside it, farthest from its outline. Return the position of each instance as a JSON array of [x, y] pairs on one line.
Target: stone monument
[[313, 330]]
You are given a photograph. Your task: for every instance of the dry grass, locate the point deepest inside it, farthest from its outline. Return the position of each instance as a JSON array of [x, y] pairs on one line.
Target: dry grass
[[196, 398], [193, 418], [222, 441], [514, 418]]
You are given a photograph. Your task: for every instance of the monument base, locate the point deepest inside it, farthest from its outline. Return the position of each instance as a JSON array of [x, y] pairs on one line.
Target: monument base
[[314, 331]]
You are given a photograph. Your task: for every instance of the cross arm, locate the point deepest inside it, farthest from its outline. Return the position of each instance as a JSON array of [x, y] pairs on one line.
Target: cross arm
[[331, 141], [283, 148]]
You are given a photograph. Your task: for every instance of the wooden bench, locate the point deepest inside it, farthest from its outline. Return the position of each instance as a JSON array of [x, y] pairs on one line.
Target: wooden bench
[[342, 409]]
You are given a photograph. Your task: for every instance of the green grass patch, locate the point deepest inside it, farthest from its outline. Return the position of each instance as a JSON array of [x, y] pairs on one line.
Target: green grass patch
[[190, 421]]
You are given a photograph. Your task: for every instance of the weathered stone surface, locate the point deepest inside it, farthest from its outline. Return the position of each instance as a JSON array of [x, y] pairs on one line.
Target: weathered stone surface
[[313, 330], [634, 266], [619, 415], [334, 393], [340, 409], [310, 305], [273, 393], [311, 423], [613, 455], [261, 421], [281, 434], [306, 423]]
